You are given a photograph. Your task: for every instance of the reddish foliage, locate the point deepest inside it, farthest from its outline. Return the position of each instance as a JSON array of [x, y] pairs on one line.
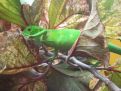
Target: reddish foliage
[[5, 25]]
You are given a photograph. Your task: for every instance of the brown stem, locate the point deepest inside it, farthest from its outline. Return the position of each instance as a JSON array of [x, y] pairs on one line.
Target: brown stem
[[108, 69]]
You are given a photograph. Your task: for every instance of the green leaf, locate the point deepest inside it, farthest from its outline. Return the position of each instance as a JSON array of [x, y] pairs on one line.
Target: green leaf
[[71, 71], [10, 10], [111, 17], [60, 82], [55, 9], [108, 4], [115, 77], [104, 88]]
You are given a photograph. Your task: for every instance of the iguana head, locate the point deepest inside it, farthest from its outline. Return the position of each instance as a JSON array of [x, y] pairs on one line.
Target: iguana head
[[33, 31]]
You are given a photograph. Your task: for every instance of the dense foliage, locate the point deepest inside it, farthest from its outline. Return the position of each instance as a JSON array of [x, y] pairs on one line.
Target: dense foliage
[[25, 66]]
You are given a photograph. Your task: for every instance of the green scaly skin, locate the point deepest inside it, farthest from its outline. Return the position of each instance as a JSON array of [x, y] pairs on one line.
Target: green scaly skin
[[59, 39], [114, 48]]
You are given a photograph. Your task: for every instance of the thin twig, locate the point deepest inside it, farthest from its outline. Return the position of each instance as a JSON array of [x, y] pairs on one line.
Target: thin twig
[[108, 69]]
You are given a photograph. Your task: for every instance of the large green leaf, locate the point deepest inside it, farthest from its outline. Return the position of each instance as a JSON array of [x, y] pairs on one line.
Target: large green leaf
[[10, 10], [107, 5], [60, 82], [110, 15], [106, 8], [114, 77], [55, 9], [71, 71]]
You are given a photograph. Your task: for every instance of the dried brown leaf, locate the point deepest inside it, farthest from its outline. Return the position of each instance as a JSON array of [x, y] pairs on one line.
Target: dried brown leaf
[[92, 48], [92, 42], [14, 55]]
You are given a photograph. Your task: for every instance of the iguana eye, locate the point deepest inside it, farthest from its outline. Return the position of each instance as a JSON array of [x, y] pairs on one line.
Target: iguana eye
[[29, 29]]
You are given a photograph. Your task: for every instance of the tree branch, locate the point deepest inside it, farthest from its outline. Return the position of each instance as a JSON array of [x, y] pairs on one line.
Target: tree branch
[[109, 83], [93, 70]]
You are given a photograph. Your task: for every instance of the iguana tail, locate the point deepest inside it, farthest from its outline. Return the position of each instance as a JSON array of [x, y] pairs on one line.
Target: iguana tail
[[114, 48]]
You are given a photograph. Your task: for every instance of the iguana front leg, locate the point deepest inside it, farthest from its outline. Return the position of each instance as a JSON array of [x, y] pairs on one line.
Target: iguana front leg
[[51, 59], [71, 51]]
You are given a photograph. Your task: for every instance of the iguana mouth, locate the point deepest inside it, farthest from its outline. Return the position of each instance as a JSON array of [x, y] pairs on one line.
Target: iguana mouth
[[26, 36]]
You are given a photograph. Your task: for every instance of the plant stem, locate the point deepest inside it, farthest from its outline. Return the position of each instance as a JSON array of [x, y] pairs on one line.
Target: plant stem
[[114, 48]]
